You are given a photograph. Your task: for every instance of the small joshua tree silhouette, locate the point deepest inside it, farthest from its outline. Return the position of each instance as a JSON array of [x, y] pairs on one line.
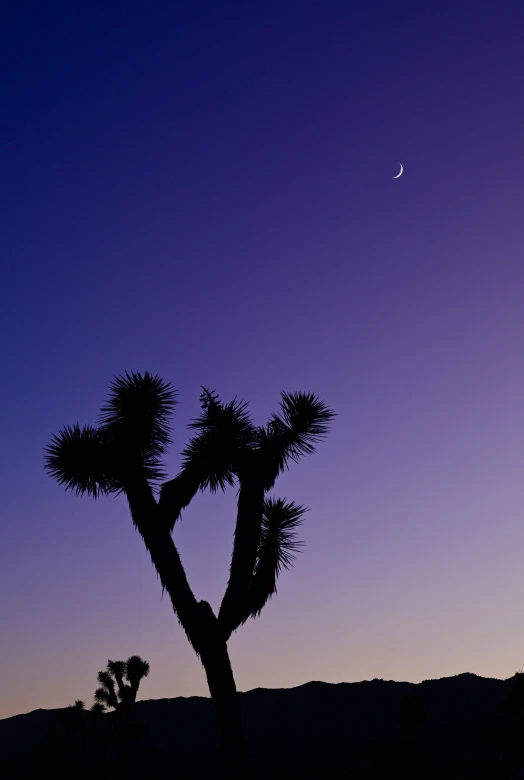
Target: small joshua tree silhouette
[[119, 684]]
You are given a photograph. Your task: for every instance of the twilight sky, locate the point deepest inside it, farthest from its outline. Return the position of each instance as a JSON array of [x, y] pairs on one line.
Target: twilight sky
[[204, 190]]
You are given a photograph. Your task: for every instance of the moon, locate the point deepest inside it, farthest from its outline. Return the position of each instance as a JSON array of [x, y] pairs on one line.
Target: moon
[[399, 174]]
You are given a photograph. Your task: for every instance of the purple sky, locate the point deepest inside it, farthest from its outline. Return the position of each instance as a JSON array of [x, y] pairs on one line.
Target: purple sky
[[204, 190]]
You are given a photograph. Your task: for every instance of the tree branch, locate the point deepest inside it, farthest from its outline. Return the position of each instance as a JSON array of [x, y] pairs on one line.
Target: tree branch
[[165, 558], [176, 494], [245, 548], [276, 549]]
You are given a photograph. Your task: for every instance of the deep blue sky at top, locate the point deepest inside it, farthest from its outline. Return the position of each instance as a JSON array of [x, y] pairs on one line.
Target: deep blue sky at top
[[204, 190], [138, 137]]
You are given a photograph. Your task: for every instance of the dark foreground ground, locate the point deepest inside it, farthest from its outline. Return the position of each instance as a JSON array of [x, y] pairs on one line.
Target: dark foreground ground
[[465, 727]]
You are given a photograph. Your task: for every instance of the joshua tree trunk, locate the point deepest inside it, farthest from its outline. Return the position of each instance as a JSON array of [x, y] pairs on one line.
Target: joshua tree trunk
[[222, 688], [211, 645]]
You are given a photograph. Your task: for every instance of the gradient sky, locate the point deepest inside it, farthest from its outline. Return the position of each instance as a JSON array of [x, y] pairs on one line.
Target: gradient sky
[[204, 190]]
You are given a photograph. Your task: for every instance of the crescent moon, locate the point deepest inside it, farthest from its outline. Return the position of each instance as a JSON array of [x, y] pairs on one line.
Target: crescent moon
[[399, 174]]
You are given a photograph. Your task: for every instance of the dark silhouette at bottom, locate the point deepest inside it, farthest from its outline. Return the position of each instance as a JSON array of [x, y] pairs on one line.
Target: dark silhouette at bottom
[[458, 728]]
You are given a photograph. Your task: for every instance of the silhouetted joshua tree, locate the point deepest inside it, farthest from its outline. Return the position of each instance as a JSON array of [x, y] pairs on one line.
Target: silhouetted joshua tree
[[123, 454], [127, 675]]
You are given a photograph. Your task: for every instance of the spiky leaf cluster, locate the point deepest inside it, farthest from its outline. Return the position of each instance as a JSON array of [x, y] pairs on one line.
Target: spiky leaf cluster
[[78, 459], [225, 431], [278, 540], [303, 420], [277, 550], [136, 669], [137, 413], [131, 437]]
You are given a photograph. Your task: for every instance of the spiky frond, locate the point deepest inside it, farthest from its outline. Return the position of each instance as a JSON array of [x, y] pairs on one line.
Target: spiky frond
[[303, 421], [307, 417], [224, 430], [104, 697], [139, 410], [134, 423], [116, 668], [105, 679], [108, 685], [79, 704], [98, 707], [136, 669], [280, 519], [79, 459], [278, 545]]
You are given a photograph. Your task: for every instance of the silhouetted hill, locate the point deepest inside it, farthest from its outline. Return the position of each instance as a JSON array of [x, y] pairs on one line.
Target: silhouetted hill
[[319, 720]]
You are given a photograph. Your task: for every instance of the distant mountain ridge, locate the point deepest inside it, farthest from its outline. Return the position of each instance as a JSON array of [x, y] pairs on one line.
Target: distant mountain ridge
[[316, 717]]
